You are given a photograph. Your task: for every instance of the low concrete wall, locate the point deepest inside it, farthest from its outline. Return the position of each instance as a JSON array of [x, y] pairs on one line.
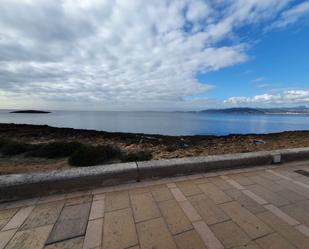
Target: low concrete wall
[[36, 184]]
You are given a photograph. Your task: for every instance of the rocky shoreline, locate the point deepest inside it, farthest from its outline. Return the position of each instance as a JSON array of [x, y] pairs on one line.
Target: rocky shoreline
[[162, 147]]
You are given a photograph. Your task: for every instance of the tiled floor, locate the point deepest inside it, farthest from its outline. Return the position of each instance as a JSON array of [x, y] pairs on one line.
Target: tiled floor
[[265, 207]]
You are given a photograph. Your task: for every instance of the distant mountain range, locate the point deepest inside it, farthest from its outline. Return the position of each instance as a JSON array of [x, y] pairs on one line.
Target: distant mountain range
[[248, 110]]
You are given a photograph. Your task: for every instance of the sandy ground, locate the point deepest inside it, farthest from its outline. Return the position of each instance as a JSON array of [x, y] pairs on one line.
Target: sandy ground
[[161, 147]]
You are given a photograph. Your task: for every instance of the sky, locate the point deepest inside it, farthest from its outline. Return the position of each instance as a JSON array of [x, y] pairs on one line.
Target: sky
[[153, 55]]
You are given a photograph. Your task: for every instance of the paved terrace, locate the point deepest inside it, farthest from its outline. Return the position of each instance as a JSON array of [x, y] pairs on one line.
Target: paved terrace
[[265, 207]]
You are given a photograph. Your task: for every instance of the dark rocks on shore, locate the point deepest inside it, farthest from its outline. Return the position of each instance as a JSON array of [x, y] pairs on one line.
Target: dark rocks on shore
[[31, 112]]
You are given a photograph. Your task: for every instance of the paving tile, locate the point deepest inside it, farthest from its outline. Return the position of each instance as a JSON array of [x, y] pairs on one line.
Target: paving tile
[[194, 176], [5, 237], [214, 193], [250, 245], [190, 211], [78, 194], [71, 223], [279, 175], [208, 210], [7, 213], [220, 183], [253, 226], [119, 230], [208, 237], [201, 180], [171, 185], [116, 200], [241, 179], [188, 188], [161, 193], [269, 196], [301, 184], [43, 214], [51, 198], [3, 222], [19, 218], [276, 211], [154, 234], [144, 207], [178, 195], [269, 175], [290, 195], [288, 232], [94, 234], [274, 241], [30, 239], [245, 201], [76, 243], [266, 183], [299, 211], [174, 217], [140, 190], [254, 197], [235, 184], [295, 188], [99, 197], [78, 200], [230, 234], [97, 209], [303, 229], [189, 240]]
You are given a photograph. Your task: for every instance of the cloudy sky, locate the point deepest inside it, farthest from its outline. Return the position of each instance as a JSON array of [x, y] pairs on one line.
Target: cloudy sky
[[153, 55]]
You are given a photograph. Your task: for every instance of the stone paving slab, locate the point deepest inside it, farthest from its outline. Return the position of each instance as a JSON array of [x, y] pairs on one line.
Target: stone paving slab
[[154, 234], [71, 223], [174, 216], [119, 230], [256, 208], [43, 214]]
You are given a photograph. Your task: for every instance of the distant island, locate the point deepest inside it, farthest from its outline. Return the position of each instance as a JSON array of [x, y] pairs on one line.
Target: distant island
[[31, 112], [264, 111]]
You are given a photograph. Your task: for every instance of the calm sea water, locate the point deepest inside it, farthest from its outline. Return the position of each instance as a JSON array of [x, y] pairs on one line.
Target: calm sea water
[[167, 123]]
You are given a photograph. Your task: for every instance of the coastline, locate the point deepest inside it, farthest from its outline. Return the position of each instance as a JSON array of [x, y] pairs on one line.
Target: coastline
[[160, 146]]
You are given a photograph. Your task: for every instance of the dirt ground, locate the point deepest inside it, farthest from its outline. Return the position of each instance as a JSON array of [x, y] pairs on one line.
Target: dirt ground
[[161, 147]]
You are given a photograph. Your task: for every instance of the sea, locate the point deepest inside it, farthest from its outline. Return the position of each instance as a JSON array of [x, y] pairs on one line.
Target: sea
[[164, 123]]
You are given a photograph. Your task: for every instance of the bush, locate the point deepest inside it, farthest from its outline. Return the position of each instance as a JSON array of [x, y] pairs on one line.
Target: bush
[[141, 155], [94, 155], [3, 142], [12, 148], [55, 150]]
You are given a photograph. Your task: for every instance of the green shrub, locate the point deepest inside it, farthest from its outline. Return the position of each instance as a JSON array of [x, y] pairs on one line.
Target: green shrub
[[12, 148], [3, 142], [142, 155], [94, 155], [55, 149]]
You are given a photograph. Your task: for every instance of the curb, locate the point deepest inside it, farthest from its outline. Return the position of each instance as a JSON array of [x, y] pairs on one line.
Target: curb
[[36, 184]]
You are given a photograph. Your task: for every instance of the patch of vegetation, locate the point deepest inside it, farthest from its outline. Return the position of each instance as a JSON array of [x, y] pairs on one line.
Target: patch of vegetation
[[57, 149], [94, 155], [78, 154], [12, 148], [142, 155], [3, 142]]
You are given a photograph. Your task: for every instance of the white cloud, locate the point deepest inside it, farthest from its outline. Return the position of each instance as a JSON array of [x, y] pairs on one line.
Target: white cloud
[[292, 15], [286, 97], [117, 54], [259, 79]]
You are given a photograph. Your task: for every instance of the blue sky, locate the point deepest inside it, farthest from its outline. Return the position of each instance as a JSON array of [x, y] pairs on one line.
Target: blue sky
[[278, 60], [173, 55]]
